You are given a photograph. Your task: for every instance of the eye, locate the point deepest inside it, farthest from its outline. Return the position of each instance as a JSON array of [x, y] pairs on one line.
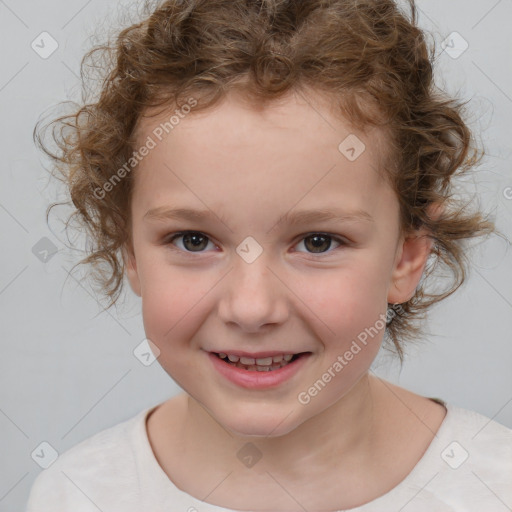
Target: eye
[[316, 242], [195, 241]]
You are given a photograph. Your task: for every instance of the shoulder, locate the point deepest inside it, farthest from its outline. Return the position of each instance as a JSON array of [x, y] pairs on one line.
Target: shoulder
[[474, 455], [84, 477], [467, 466], [487, 442], [478, 430]]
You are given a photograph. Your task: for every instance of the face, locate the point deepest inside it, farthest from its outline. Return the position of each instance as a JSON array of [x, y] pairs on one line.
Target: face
[[254, 276]]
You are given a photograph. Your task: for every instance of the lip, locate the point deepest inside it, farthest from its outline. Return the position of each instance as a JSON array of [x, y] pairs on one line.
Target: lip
[[254, 355], [254, 379]]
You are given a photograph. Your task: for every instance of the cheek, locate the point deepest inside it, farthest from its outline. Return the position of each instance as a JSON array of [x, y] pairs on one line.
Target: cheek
[[346, 301], [173, 309], [171, 303]]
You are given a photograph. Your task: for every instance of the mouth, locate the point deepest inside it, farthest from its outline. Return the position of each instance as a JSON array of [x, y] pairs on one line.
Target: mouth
[[259, 362], [259, 371]]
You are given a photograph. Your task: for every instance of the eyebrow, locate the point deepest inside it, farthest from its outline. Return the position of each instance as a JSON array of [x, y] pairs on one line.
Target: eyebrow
[[165, 213], [290, 218]]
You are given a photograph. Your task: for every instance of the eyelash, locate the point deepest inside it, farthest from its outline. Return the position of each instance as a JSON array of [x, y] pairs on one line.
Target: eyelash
[[168, 241]]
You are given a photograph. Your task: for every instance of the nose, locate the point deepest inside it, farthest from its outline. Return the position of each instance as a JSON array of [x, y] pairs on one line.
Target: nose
[[253, 296]]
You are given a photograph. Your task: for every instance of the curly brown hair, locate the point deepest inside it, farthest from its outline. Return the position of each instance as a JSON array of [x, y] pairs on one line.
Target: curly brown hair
[[369, 57]]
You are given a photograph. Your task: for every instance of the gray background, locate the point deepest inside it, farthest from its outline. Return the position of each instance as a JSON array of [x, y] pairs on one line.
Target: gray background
[[68, 368]]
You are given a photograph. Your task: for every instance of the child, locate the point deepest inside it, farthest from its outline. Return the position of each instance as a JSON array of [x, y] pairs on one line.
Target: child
[[273, 177]]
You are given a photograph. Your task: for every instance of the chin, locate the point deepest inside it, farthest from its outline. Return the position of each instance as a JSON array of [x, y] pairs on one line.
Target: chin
[[259, 421]]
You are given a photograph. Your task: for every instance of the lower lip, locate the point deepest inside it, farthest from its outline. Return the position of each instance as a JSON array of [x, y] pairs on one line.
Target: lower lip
[[254, 379]]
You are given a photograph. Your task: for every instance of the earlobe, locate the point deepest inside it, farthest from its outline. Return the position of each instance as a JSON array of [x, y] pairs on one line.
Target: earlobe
[[414, 251], [131, 270], [409, 267]]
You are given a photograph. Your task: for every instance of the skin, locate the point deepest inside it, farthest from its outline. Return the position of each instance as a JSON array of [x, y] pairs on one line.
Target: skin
[[251, 166]]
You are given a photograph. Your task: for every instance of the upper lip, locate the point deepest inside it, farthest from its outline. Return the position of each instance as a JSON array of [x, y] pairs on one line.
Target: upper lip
[[255, 355]]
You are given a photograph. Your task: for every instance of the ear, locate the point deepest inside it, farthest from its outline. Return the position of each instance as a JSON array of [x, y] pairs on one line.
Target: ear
[[131, 268], [412, 254]]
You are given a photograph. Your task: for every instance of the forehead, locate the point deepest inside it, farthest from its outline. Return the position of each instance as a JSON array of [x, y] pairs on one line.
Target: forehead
[[313, 108], [293, 148]]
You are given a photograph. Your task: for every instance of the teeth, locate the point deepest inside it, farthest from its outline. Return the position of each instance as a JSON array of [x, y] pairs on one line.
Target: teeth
[[263, 364], [266, 361]]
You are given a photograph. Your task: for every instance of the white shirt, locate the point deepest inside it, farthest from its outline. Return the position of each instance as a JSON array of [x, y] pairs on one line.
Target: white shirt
[[467, 467]]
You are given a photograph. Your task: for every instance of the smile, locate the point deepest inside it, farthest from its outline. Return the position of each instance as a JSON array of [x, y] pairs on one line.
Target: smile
[[258, 372], [259, 364]]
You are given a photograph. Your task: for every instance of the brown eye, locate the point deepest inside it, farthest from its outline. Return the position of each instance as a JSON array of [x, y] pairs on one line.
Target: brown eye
[[197, 242], [193, 241], [319, 243]]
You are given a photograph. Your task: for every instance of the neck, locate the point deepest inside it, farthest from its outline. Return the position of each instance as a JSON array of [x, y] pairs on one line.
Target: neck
[[332, 440]]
